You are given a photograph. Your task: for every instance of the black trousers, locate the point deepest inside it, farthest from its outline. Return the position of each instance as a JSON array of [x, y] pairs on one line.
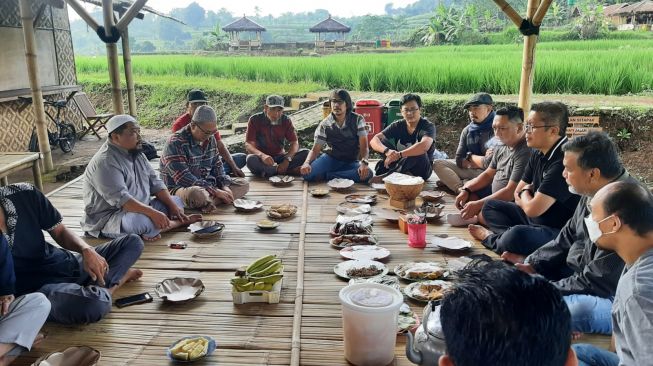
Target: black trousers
[[419, 166], [513, 230]]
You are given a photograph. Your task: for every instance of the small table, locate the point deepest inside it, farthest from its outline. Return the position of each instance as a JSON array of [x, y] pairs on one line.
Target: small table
[[11, 162]]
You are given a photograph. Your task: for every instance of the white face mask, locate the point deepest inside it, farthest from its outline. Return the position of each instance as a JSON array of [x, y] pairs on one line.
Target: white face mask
[[593, 229]]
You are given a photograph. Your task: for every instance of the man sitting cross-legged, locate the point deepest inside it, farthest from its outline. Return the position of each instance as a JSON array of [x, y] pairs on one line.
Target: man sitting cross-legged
[[586, 274], [78, 279], [267, 132], [504, 173], [191, 167], [118, 185], [543, 204]]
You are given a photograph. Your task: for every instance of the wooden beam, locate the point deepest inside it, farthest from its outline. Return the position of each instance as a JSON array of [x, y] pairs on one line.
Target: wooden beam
[[510, 12], [27, 18], [528, 62], [541, 12], [112, 58], [127, 62], [129, 15], [79, 9]]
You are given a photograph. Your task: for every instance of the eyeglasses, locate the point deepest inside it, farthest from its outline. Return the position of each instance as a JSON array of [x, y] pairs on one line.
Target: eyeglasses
[[529, 128], [410, 111], [207, 133]]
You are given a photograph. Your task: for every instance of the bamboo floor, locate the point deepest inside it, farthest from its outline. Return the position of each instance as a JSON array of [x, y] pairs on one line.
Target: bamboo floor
[[304, 328]]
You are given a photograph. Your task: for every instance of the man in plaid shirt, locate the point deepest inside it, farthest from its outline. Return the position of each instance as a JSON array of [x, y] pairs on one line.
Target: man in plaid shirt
[[191, 167]]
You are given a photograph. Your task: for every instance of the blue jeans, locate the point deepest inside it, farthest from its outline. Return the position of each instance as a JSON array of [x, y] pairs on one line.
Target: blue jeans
[[590, 314], [326, 168], [590, 355], [239, 159]]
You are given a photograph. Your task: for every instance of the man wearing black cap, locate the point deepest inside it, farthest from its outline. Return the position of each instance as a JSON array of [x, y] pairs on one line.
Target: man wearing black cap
[[473, 155], [232, 162], [267, 133]]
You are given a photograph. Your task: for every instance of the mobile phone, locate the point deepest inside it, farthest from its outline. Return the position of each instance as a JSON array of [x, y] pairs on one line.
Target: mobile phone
[[133, 300], [178, 245]]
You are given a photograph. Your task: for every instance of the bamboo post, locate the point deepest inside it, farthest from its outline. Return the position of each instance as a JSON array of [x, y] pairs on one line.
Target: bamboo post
[[112, 58], [77, 7], [129, 14], [296, 341], [127, 62], [35, 84], [528, 62], [509, 11]]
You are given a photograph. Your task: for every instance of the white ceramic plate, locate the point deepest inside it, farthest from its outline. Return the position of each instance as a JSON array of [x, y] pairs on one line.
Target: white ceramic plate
[[281, 180], [379, 187], [319, 192], [342, 268], [267, 224], [247, 205], [361, 198], [389, 214], [340, 183], [368, 252], [281, 211], [431, 270], [451, 243], [419, 290], [349, 208], [351, 240]]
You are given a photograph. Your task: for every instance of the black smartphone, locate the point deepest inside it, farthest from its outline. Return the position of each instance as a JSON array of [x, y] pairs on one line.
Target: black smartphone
[[133, 300]]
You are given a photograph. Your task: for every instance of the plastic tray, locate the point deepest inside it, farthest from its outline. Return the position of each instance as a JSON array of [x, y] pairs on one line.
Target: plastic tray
[[270, 297]]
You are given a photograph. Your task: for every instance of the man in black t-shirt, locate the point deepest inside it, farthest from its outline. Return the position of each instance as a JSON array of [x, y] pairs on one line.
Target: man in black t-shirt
[[77, 278], [407, 144], [543, 202]]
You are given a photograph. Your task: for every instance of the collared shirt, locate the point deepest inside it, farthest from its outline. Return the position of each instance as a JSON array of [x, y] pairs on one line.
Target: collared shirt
[[475, 141], [269, 137], [113, 177], [509, 163], [184, 120], [36, 262], [341, 141], [544, 172], [187, 163], [632, 313], [594, 271]]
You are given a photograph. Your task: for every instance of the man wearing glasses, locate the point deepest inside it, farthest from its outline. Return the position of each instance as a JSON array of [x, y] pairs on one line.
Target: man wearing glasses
[[543, 202], [407, 144], [232, 163], [118, 186], [191, 166]]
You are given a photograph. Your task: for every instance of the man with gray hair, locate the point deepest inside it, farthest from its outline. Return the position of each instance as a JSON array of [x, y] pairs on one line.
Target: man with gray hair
[[118, 186], [267, 132], [191, 167]]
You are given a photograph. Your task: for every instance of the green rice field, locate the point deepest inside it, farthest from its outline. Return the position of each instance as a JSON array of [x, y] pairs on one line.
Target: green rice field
[[612, 67]]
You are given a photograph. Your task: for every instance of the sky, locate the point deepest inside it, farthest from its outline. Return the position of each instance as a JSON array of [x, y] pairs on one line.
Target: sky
[[338, 8]]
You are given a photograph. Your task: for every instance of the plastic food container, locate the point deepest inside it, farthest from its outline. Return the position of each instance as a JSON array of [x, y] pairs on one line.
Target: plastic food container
[[417, 235], [270, 297], [369, 322]]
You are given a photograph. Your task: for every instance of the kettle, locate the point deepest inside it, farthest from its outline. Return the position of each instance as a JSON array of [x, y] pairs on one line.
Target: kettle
[[427, 345]]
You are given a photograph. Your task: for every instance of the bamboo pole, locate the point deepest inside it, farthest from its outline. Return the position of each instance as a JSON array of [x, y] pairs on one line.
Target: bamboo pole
[[296, 341], [79, 9], [528, 62], [35, 84], [509, 11], [129, 15], [127, 62], [112, 58], [541, 11]]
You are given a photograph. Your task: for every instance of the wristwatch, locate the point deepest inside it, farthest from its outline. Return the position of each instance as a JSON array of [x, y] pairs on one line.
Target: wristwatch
[[466, 190], [525, 190], [385, 151], [468, 157]]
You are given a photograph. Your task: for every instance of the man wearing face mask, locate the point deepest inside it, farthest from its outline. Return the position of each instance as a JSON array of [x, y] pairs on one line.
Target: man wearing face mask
[[267, 132], [118, 185], [586, 274], [622, 221]]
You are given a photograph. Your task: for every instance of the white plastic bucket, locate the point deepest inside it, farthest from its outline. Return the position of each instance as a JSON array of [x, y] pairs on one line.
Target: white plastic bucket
[[369, 322]]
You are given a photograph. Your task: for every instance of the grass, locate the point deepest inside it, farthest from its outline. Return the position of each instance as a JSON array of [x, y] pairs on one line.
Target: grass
[[613, 67]]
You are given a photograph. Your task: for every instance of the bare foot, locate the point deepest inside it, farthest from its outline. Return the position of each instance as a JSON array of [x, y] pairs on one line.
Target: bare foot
[[132, 275], [512, 257], [151, 238], [479, 232], [192, 219], [39, 338], [210, 208]]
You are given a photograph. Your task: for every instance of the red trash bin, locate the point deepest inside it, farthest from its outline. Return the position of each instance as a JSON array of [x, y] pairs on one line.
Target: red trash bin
[[372, 111]]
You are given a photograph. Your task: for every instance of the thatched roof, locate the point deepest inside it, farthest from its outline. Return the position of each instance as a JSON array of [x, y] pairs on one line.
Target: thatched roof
[[243, 25], [329, 25], [628, 9], [123, 5]]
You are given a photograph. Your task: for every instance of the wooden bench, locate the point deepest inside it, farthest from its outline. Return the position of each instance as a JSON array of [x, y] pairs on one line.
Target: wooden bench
[[11, 162], [582, 125]]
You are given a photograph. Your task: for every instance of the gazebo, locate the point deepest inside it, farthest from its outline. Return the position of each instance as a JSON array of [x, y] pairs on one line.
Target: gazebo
[[330, 25], [628, 16], [243, 25]]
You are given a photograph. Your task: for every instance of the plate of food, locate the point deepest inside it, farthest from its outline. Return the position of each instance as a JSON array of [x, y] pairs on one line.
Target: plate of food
[[431, 211], [354, 227], [451, 243], [349, 208], [368, 252], [282, 211], [247, 205], [191, 348], [206, 229], [389, 214], [179, 289], [361, 198], [391, 281], [350, 240], [427, 290], [407, 319], [360, 269], [432, 196], [319, 192], [266, 224], [379, 187], [281, 180], [340, 183], [420, 271]]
